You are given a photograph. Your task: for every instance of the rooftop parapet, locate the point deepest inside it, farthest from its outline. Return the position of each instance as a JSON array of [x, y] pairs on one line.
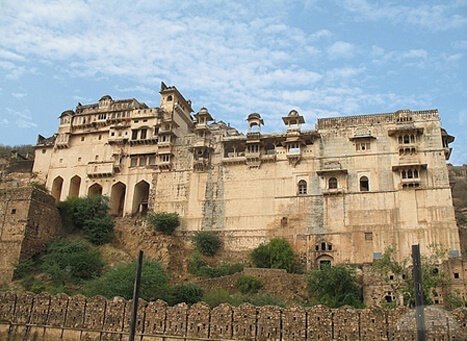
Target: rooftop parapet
[[401, 116]]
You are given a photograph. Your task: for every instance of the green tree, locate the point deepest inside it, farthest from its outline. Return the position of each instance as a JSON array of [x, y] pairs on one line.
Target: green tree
[[187, 292], [206, 242], [277, 254], [399, 274], [335, 287], [71, 261], [164, 222], [119, 282], [91, 215]]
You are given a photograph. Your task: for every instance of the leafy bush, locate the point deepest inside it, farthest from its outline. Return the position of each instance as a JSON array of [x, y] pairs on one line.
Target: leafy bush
[[248, 284], [187, 292], [335, 287], [24, 268], [398, 275], [208, 243], [71, 260], [277, 254], [90, 214], [100, 230], [164, 222], [260, 300], [197, 266], [217, 296], [119, 282]]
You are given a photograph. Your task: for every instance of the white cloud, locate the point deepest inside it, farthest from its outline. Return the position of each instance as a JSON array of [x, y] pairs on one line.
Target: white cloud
[[428, 16], [341, 49], [5, 54], [345, 72], [19, 94], [21, 119], [415, 53], [462, 117]]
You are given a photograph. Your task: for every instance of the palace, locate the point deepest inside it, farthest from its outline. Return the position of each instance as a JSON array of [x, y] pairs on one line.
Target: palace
[[341, 193]]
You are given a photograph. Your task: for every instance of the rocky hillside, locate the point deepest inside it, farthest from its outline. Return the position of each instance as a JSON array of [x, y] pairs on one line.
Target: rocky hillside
[[458, 179]]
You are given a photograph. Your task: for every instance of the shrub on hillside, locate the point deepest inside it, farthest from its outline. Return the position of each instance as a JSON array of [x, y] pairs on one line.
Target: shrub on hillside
[[217, 296], [277, 254], [23, 268], [198, 266], [335, 287], [164, 222], [189, 293], [100, 230], [119, 282], [91, 215], [206, 242], [248, 284], [71, 260]]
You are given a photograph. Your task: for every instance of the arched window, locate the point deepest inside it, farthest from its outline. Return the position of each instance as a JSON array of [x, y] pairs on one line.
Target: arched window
[[364, 184], [406, 139], [169, 98], [302, 187], [332, 183]]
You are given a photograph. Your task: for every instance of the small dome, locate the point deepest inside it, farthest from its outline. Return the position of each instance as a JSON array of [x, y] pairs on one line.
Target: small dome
[[67, 113], [254, 115], [106, 97], [293, 112]]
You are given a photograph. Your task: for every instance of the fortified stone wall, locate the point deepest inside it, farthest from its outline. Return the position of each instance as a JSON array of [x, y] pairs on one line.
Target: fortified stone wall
[[28, 221], [27, 316]]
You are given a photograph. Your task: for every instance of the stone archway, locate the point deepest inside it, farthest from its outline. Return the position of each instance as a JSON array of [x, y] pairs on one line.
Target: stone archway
[[117, 199], [75, 184], [57, 185], [141, 198], [95, 190], [324, 260]]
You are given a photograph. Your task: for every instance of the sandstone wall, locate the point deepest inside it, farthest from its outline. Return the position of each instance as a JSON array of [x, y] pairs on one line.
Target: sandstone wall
[[25, 316], [28, 221]]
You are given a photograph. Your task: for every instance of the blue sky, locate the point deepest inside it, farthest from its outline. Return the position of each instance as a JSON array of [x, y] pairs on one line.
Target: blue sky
[[323, 58]]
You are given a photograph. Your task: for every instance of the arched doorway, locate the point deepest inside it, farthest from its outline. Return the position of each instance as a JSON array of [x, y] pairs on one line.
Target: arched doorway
[[75, 183], [57, 188], [117, 199], [94, 190], [141, 197], [324, 261]]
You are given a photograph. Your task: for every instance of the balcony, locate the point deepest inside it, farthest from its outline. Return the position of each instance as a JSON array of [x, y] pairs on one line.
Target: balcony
[[62, 141], [333, 191], [100, 169]]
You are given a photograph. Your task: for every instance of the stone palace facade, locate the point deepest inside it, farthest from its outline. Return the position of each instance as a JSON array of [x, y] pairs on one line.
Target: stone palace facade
[[342, 192]]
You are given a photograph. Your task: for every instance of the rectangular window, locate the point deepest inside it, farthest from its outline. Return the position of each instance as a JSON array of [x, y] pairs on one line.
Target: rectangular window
[[368, 235], [133, 162], [82, 138], [152, 160], [100, 137], [134, 134], [142, 161], [143, 134]]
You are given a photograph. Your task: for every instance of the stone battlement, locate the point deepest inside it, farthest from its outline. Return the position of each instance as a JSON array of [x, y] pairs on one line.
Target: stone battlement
[[25, 316], [401, 116]]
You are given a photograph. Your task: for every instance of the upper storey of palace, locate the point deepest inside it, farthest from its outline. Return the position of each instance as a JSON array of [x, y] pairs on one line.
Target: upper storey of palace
[[132, 123]]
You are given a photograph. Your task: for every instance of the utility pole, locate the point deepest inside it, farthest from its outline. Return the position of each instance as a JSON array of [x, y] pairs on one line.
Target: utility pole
[[134, 306], [418, 289]]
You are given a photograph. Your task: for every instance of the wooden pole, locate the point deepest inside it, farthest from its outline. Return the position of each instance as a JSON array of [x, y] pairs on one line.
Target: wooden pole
[[134, 306], [418, 289]]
